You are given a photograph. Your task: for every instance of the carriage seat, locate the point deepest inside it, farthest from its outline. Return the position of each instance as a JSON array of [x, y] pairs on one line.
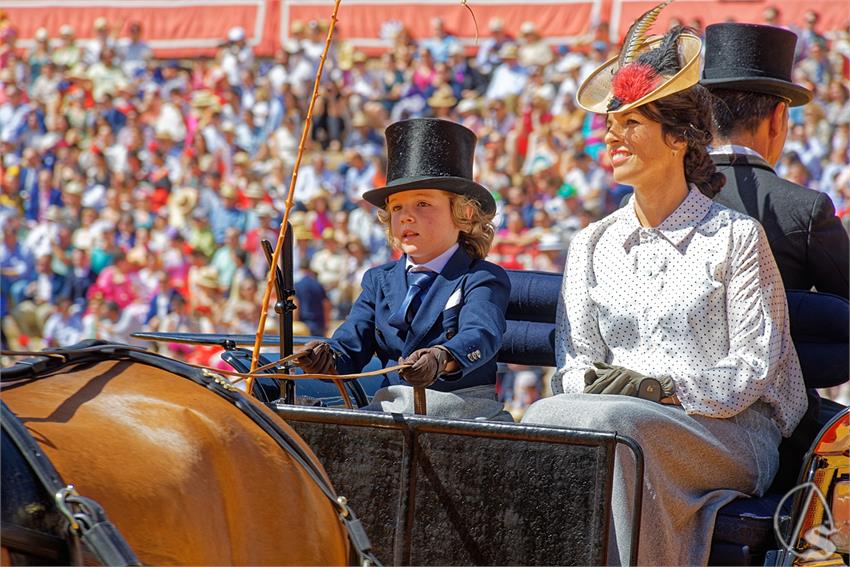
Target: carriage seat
[[820, 329]]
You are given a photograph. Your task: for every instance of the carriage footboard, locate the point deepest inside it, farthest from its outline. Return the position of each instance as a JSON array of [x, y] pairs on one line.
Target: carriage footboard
[[459, 492]]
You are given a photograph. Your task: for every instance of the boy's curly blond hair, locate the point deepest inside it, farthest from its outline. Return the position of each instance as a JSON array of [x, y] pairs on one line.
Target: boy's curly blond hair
[[476, 232]]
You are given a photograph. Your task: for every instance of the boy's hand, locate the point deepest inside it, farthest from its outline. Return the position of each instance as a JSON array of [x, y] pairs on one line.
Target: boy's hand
[[317, 358], [428, 363]]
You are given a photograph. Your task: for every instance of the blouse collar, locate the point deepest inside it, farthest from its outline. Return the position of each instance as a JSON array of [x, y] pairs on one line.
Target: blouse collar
[[677, 227]]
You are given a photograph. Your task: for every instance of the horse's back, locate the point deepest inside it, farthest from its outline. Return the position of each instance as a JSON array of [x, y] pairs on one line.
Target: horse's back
[[183, 474]]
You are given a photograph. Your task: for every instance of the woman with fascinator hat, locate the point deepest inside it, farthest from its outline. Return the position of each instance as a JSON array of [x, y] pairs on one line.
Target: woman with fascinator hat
[[673, 323]]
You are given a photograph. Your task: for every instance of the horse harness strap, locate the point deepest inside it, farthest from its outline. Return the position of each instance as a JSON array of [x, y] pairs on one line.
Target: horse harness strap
[[218, 384], [87, 522]]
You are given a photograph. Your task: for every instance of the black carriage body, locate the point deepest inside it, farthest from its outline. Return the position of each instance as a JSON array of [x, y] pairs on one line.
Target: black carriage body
[[463, 492]]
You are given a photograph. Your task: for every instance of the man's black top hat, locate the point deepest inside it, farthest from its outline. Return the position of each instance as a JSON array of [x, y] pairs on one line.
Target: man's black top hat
[[427, 153], [751, 57]]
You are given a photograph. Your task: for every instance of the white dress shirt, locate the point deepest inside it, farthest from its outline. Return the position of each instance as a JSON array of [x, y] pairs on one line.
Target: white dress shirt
[[435, 265], [699, 299]]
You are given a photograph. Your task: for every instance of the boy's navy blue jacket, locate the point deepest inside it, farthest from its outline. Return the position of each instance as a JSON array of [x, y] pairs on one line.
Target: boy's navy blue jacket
[[463, 310]]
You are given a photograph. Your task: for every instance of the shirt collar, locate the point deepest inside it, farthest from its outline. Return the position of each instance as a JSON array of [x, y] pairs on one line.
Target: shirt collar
[[435, 265], [676, 227], [729, 149]]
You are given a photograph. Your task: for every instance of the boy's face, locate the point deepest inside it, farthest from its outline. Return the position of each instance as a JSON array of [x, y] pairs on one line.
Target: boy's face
[[421, 223]]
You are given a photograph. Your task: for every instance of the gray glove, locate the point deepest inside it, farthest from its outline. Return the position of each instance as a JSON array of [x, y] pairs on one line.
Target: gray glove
[[606, 379], [317, 358]]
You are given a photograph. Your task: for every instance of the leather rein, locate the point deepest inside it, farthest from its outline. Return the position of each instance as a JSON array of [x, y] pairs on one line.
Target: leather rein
[[260, 372]]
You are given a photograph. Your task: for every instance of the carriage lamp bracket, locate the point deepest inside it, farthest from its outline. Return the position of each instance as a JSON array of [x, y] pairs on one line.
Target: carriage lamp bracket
[[285, 305]]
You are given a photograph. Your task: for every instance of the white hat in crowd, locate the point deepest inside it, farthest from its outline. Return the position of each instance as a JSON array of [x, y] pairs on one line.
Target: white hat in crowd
[[236, 34]]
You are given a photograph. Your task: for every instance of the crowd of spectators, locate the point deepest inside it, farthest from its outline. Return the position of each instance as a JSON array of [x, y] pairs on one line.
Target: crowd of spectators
[[135, 192]]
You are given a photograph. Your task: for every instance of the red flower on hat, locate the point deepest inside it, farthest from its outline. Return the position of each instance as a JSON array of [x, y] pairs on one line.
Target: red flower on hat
[[634, 81]]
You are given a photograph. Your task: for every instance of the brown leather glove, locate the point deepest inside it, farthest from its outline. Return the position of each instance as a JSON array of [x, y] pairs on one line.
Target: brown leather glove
[[317, 358], [607, 379], [428, 363]]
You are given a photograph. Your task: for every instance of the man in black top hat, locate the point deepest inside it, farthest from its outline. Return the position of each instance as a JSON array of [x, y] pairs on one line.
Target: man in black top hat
[[748, 70]]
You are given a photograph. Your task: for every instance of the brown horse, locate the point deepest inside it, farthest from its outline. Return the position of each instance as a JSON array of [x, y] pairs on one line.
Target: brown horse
[[185, 476]]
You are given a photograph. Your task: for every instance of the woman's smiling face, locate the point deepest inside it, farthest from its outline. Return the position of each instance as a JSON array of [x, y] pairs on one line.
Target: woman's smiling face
[[639, 153]]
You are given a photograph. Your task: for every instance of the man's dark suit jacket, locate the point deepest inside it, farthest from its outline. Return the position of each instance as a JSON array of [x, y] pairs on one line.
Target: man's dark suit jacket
[[807, 239], [811, 249]]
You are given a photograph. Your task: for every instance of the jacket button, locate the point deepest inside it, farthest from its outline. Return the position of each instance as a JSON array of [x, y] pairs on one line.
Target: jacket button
[[450, 333]]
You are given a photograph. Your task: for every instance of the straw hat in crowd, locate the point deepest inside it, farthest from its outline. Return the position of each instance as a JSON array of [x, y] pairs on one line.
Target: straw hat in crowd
[[254, 191], [181, 202], [208, 278], [359, 120], [227, 191], [443, 98], [204, 99]]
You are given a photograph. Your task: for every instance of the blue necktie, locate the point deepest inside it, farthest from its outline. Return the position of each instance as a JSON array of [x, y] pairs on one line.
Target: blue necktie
[[417, 284]]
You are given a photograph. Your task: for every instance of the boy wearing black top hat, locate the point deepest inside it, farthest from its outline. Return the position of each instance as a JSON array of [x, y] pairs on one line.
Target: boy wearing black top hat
[[441, 306], [748, 70]]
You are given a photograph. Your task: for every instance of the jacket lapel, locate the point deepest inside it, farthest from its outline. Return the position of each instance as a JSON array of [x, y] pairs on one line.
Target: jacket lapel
[[395, 286], [435, 300]]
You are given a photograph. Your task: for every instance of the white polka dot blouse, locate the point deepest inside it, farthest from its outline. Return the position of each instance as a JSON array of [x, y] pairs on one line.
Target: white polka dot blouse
[[699, 299]]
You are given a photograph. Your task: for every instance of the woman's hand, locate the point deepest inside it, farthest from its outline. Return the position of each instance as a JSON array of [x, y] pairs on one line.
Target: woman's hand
[[607, 379]]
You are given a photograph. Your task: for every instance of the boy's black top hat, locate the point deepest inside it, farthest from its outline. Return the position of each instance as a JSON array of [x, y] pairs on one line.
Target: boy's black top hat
[[751, 57], [428, 153]]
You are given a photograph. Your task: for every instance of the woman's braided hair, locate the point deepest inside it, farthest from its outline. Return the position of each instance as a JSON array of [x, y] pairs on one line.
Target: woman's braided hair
[[686, 115]]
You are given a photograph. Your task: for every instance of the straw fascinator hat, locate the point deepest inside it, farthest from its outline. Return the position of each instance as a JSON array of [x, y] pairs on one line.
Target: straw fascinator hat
[[647, 69]]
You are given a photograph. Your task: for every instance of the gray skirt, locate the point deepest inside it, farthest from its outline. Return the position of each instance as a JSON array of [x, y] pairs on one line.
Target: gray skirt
[[694, 466]]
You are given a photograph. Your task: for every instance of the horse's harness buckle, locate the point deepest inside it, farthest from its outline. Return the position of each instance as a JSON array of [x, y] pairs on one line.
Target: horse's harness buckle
[[342, 502], [61, 498]]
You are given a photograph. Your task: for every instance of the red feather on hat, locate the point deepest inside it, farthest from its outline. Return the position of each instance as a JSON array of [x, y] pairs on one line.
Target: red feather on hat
[[634, 81]]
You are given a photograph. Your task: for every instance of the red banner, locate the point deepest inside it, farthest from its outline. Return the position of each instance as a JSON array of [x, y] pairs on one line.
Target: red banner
[[182, 28]]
